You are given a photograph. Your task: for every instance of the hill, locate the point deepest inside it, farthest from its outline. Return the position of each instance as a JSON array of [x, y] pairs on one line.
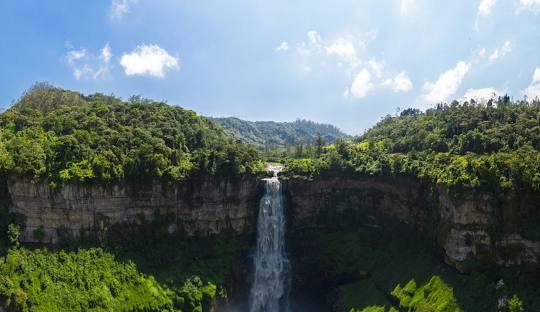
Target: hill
[[495, 147], [63, 135], [279, 134]]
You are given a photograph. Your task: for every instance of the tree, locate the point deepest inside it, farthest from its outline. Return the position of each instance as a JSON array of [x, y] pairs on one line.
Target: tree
[[319, 143], [299, 152], [515, 304], [14, 233]]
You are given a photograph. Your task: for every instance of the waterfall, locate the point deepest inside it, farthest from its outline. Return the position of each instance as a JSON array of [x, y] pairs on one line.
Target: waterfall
[[270, 289]]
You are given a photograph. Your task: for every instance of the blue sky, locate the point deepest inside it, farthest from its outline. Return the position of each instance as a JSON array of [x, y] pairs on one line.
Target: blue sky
[[343, 62]]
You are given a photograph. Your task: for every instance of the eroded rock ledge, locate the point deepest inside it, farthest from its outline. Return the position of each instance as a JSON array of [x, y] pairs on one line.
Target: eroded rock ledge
[[472, 230], [202, 206]]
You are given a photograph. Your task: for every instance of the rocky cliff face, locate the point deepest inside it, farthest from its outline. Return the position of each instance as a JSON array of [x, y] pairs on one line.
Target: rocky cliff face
[[471, 230], [202, 206]]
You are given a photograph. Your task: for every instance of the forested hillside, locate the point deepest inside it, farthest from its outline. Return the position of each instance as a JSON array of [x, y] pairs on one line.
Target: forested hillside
[[272, 135], [63, 136], [495, 147]]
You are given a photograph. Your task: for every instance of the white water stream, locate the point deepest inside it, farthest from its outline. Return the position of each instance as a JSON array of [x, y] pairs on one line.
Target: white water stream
[[270, 289]]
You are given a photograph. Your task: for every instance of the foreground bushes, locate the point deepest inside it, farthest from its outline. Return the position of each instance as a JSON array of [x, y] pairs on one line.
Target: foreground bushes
[[91, 280]]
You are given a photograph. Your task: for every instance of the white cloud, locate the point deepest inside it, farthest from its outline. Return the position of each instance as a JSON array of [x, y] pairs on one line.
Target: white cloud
[[106, 53], [533, 90], [484, 10], [119, 8], [313, 45], [361, 84], [481, 95], [344, 50], [284, 46], [75, 55], [447, 84], [405, 5], [500, 52], [485, 7], [482, 52], [87, 65], [148, 60], [376, 67], [400, 83], [529, 5]]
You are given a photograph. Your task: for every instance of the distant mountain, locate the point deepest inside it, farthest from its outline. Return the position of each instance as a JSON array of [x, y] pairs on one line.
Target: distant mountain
[[278, 134]]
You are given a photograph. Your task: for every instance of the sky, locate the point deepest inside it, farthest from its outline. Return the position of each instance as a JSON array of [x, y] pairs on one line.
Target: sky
[[344, 62]]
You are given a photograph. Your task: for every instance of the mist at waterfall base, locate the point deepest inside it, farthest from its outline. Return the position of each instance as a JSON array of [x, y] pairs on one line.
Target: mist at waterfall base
[[272, 272]]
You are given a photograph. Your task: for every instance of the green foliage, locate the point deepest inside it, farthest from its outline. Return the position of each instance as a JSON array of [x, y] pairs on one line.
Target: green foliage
[[364, 265], [65, 136], [90, 280], [434, 296], [460, 146], [173, 258], [515, 304], [375, 309], [13, 234], [280, 135]]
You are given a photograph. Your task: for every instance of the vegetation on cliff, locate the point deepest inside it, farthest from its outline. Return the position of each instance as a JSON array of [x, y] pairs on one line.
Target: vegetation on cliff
[[91, 280], [360, 267], [275, 135], [461, 145], [66, 136]]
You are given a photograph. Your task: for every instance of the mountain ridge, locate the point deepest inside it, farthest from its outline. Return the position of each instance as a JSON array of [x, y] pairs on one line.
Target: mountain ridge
[[275, 134]]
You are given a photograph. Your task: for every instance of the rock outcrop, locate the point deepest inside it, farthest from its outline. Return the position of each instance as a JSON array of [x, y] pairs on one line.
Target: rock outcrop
[[471, 230], [202, 206]]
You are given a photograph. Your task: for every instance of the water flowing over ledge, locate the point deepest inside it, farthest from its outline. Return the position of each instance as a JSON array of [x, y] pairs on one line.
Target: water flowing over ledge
[[270, 289]]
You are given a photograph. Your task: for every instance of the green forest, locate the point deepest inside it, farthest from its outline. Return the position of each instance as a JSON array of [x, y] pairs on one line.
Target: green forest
[[271, 135], [494, 147], [64, 136], [61, 136]]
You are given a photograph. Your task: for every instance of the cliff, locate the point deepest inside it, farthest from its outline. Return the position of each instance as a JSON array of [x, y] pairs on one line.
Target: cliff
[[201, 206], [471, 230]]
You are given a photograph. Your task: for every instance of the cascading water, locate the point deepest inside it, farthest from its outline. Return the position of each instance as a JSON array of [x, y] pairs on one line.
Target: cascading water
[[270, 289]]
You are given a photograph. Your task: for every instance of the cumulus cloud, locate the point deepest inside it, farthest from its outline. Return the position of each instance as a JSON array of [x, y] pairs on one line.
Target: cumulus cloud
[[74, 55], [533, 90], [481, 95], [447, 83], [482, 52], [529, 5], [405, 5], [484, 10], [500, 52], [119, 8], [344, 50], [284, 46], [376, 67], [87, 65], [148, 60], [106, 53], [313, 45], [400, 83], [361, 85]]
